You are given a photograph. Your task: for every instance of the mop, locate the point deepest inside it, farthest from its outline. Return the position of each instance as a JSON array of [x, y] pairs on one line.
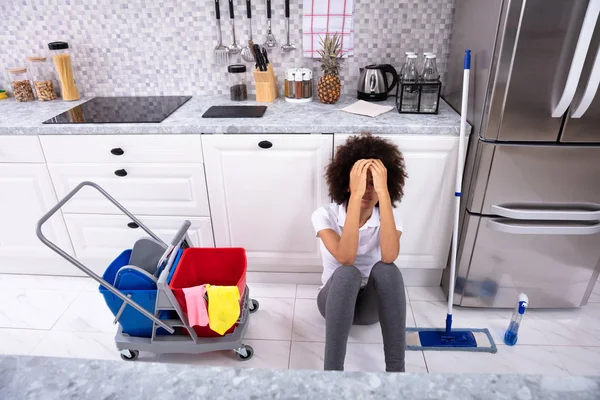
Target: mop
[[454, 339]]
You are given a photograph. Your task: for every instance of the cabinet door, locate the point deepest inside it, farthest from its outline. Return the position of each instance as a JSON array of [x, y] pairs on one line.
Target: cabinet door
[[144, 189], [98, 239], [426, 209], [26, 193], [263, 190]]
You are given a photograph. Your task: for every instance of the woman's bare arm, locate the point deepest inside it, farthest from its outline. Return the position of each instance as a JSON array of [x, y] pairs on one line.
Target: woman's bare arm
[[389, 236]]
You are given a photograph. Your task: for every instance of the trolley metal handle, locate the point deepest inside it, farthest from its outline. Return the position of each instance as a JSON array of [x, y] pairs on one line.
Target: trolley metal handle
[[82, 267]]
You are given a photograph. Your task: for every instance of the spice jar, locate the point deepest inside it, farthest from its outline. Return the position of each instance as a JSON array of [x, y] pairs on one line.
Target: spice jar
[[307, 83], [21, 86], [64, 70], [298, 83], [41, 75], [289, 83], [238, 88]]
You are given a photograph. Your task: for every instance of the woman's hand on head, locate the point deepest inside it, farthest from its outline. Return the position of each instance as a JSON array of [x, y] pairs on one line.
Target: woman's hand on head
[[358, 177], [379, 173]]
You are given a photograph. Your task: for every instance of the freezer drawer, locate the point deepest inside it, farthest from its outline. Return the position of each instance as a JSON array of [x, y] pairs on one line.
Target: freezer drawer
[[555, 262], [522, 175]]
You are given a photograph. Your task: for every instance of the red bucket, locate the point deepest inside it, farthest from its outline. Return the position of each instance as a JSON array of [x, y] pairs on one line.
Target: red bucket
[[199, 266]]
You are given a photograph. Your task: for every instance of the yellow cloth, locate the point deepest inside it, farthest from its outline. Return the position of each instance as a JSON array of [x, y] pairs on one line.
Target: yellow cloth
[[223, 307]]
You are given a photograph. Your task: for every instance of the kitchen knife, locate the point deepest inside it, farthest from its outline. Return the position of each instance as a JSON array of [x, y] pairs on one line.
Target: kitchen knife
[[259, 58], [266, 58]]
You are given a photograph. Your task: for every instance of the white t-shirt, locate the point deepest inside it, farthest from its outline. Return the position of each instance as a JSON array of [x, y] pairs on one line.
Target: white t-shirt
[[333, 216]]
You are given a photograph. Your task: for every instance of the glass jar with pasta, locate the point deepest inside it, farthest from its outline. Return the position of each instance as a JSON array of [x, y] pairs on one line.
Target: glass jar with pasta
[[64, 70], [41, 75]]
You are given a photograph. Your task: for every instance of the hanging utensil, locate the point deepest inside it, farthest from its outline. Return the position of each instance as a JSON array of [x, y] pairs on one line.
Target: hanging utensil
[[271, 42], [246, 51], [221, 53], [287, 47], [234, 48]]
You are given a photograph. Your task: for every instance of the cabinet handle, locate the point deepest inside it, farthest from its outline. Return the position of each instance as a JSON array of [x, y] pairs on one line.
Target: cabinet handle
[[133, 225], [117, 151], [121, 172], [265, 144]]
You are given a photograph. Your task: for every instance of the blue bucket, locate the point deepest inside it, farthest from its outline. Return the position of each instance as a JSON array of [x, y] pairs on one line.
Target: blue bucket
[[132, 321]]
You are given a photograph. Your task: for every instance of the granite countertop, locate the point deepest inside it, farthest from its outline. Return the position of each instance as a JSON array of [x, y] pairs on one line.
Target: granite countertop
[[25, 377], [280, 117]]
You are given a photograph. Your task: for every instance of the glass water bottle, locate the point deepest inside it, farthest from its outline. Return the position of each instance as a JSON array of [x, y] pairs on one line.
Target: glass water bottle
[[410, 88]]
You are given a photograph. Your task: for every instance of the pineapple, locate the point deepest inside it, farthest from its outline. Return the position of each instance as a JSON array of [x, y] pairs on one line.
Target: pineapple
[[330, 86]]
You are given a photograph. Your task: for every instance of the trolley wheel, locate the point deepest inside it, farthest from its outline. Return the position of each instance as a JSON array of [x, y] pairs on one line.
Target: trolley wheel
[[133, 355], [249, 353], [254, 304]]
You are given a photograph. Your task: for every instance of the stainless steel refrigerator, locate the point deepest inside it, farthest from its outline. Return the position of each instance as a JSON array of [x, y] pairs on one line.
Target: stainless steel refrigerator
[[530, 214]]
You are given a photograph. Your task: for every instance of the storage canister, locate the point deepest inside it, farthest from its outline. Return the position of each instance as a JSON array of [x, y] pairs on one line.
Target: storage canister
[[42, 75], [64, 70], [238, 88], [21, 86]]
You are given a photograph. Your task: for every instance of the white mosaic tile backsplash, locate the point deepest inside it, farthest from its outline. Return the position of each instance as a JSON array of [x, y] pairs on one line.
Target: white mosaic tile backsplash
[[165, 47]]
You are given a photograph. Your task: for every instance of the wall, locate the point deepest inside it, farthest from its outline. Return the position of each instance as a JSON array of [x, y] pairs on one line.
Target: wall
[[164, 47]]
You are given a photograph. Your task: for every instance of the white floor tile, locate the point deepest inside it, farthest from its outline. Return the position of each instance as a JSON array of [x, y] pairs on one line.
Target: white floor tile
[[519, 359], [359, 357], [307, 291], [42, 282], [580, 360], [269, 290], [433, 314], [267, 354], [19, 341], [82, 345], [309, 325], [425, 293], [273, 320], [87, 313], [573, 327], [33, 308]]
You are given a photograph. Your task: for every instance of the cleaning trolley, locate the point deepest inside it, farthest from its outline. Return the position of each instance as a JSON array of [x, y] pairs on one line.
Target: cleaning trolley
[[144, 289]]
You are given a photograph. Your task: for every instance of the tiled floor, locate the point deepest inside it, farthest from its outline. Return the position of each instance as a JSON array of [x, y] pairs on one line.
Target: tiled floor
[[67, 317]]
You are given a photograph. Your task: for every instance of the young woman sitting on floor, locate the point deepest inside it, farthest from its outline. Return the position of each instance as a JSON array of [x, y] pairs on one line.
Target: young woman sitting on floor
[[360, 240]]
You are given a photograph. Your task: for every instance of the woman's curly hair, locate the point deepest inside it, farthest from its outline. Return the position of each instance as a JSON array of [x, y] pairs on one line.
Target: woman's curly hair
[[365, 146]]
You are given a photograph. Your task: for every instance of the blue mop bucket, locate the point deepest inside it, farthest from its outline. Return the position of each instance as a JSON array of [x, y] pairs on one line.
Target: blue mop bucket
[[132, 321]]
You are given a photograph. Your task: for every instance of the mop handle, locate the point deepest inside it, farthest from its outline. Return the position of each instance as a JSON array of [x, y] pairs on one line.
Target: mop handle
[[459, 174]]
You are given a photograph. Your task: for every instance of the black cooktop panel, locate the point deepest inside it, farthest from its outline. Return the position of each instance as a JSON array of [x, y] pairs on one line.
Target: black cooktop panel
[[113, 110]]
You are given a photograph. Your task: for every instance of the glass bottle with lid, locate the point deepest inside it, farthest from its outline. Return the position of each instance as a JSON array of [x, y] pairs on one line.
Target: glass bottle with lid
[[430, 90], [64, 70], [42, 76], [21, 86], [409, 99], [307, 84], [238, 88]]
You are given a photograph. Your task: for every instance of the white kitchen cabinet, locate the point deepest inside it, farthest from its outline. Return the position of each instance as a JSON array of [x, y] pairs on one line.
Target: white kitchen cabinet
[[98, 239], [26, 193], [427, 206], [144, 189], [263, 190]]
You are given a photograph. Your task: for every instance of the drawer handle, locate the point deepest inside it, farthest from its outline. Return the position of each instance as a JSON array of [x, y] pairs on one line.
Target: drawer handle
[[265, 144], [133, 225], [121, 172], [117, 151]]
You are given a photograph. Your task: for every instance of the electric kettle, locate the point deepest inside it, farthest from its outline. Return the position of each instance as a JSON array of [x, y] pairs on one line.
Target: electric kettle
[[373, 82]]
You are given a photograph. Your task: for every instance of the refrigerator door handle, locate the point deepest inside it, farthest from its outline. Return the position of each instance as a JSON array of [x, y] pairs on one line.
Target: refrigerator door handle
[[520, 228], [590, 90], [581, 50], [560, 212]]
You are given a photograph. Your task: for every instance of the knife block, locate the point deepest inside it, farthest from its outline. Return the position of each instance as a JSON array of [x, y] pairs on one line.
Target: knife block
[[266, 86]]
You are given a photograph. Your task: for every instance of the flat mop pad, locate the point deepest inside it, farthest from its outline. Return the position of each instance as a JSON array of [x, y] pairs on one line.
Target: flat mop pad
[[429, 339]]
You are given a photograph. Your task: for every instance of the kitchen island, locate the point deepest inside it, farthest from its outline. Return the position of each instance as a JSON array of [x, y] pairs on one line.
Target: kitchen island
[[250, 183], [280, 117], [27, 378]]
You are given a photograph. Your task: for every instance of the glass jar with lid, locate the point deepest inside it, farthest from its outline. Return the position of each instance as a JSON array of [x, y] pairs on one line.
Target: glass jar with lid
[[21, 86], [42, 76], [64, 70], [238, 88]]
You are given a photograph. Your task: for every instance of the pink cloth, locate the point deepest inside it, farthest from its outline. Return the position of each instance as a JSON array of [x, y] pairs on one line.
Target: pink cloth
[[197, 312]]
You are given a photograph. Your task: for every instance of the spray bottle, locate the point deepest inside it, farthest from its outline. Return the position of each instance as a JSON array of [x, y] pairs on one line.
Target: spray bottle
[[510, 337]]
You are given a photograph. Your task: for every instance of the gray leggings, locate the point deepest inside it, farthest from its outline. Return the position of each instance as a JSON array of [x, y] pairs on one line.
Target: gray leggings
[[342, 302]]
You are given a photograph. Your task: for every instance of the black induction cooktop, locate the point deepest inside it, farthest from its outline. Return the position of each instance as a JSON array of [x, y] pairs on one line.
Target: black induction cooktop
[[111, 110]]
